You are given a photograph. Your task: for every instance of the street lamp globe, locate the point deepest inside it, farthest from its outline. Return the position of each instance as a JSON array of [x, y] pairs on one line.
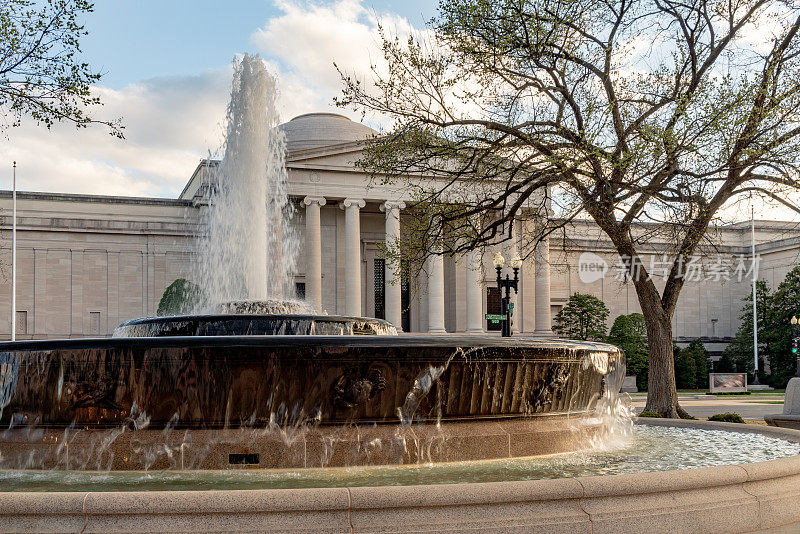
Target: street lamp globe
[[499, 260], [516, 263], [794, 319]]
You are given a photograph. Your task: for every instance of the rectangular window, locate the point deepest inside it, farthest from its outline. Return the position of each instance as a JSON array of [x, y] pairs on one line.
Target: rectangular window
[[300, 290], [493, 306], [405, 295], [380, 288], [94, 323], [22, 323]]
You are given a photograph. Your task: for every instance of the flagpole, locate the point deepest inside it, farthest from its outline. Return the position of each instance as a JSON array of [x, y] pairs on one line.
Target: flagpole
[[755, 309], [14, 255]]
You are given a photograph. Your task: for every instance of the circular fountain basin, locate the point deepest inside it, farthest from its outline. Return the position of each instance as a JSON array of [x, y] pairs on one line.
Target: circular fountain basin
[[296, 401], [235, 381], [745, 497]]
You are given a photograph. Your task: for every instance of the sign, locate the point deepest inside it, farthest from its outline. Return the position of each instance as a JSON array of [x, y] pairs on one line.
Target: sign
[[510, 307], [494, 317], [727, 382]]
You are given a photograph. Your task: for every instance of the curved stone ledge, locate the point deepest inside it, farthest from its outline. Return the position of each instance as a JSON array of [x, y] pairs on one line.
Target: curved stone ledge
[[323, 446], [739, 498]]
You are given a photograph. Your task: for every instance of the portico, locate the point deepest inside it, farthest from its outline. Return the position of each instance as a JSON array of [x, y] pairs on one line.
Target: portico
[[348, 220], [430, 308]]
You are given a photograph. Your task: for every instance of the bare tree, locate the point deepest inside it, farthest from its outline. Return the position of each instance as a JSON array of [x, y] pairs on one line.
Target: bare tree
[[625, 111]]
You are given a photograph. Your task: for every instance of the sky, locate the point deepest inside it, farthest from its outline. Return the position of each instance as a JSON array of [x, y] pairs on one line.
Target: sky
[[166, 70]]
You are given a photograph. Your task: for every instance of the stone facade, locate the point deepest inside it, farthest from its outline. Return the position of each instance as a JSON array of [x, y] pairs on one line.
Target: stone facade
[[87, 263]]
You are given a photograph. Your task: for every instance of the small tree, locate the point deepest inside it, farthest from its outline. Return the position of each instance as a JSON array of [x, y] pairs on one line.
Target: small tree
[[725, 364], [695, 358], [685, 371], [180, 297], [629, 333], [740, 350], [584, 317], [775, 311], [41, 75], [782, 306]]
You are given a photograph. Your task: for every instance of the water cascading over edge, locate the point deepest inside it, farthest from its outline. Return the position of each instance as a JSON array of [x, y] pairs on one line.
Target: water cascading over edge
[[248, 247]]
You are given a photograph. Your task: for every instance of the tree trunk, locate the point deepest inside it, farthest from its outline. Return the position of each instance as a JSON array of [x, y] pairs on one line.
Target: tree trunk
[[662, 395]]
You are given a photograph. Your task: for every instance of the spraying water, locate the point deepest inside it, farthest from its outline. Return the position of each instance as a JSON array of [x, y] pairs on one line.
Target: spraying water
[[249, 248]]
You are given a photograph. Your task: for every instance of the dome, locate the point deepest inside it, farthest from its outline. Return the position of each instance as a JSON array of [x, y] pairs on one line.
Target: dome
[[315, 130]]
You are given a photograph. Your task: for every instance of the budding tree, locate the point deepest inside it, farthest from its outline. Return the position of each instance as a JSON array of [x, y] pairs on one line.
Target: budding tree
[[41, 73], [623, 111]]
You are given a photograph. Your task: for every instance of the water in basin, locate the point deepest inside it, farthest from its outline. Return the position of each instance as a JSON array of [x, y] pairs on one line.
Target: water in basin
[[645, 449]]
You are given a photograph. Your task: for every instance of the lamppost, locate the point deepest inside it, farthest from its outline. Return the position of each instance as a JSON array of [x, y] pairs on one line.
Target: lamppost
[[795, 340], [506, 307]]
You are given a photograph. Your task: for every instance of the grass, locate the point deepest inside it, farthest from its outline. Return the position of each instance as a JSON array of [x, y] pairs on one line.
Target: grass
[[765, 402]]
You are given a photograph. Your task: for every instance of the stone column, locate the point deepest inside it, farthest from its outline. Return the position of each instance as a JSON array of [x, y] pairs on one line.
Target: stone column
[[393, 304], [352, 251], [436, 295], [516, 296], [313, 252], [474, 293], [541, 258]]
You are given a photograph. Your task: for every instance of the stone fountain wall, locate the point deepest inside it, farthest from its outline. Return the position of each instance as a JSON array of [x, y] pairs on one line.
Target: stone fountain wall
[[223, 382]]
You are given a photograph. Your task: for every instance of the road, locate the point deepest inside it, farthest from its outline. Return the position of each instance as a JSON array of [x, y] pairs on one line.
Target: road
[[752, 408]]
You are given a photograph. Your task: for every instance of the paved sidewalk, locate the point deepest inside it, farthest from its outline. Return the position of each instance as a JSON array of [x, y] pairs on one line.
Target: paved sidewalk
[[752, 408]]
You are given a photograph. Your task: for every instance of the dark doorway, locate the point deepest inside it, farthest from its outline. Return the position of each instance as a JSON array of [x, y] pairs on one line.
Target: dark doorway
[[380, 288], [405, 295], [493, 306]]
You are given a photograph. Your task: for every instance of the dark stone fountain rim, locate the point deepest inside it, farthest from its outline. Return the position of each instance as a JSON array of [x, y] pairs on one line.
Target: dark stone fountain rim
[[228, 324], [245, 316], [281, 341]]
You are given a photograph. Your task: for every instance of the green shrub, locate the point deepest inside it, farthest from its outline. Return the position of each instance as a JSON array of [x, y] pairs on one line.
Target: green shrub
[[180, 297], [727, 418], [650, 414], [630, 334], [691, 366]]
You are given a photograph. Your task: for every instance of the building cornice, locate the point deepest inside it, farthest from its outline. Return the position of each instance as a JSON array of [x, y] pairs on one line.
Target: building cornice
[[105, 226], [101, 199], [328, 150]]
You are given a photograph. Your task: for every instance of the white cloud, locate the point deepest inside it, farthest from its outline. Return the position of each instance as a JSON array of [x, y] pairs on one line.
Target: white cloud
[[170, 123], [303, 42]]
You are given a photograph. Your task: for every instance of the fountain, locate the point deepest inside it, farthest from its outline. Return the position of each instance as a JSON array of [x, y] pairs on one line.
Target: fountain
[[252, 378], [254, 413], [248, 248]]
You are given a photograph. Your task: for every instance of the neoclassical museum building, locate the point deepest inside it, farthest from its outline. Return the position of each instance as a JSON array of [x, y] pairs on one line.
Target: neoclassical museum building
[[88, 262]]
